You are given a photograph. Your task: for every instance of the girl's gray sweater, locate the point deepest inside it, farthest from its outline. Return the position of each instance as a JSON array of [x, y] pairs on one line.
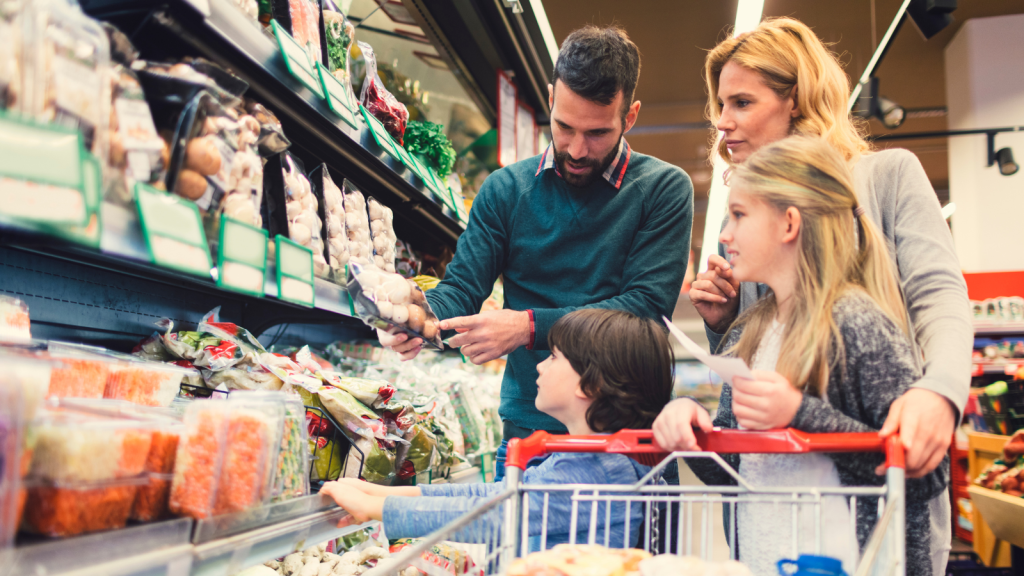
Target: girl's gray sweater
[[879, 366]]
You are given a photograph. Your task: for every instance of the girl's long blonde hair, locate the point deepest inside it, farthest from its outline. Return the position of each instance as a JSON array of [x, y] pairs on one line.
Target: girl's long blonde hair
[[840, 251], [792, 61]]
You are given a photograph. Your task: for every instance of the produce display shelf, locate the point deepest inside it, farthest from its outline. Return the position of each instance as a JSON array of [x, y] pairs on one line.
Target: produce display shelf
[[1002, 512], [218, 31], [997, 328], [181, 547], [1007, 367]]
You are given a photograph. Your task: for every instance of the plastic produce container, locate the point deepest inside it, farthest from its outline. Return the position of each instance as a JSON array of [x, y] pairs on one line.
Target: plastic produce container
[[253, 442], [146, 383], [291, 476], [198, 460], [82, 371], [85, 471], [12, 431]]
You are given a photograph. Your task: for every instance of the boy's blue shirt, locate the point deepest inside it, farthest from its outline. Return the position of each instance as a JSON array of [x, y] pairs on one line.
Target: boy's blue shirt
[[622, 242], [440, 504]]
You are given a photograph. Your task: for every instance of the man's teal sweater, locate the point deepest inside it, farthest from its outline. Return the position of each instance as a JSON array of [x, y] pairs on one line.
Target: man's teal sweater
[[560, 248]]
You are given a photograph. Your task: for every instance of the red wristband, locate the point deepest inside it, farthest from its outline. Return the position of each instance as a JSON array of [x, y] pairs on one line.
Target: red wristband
[[533, 330]]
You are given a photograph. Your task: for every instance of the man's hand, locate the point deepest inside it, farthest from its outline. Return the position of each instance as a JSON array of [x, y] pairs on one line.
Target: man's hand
[[406, 348], [715, 294], [489, 335], [765, 403], [673, 428], [925, 422], [362, 506]]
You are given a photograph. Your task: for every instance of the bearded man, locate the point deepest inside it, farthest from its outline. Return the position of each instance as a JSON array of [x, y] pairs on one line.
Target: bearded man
[[587, 224]]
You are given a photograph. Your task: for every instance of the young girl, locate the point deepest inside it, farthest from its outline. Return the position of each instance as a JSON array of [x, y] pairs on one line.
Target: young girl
[[608, 370], [829, 349]]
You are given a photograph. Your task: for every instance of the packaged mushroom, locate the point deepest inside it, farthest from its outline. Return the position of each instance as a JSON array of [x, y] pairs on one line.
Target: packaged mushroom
[[10, 56], [304, 224], [392, 303], [334, 221], [357, 223], [382, 234]]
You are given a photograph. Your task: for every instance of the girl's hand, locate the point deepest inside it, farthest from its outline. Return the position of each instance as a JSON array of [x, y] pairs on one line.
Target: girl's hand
[[767, 402], [715, 294], [362, 506], [673, 429]]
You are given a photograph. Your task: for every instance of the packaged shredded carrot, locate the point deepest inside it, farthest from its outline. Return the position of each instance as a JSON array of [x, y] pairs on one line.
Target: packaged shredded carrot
[[198, 460]]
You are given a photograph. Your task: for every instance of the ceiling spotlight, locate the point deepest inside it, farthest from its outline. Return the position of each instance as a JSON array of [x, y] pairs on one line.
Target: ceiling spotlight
[[871, 105], [1003, 157]]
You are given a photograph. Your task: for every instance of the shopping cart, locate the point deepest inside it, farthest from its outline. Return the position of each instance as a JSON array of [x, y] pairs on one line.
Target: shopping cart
[[497, 531]]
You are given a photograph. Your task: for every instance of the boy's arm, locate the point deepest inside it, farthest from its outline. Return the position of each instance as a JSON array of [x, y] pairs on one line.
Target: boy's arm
[[710, 472]]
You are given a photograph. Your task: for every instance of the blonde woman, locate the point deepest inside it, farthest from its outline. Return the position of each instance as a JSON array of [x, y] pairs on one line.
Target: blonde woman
[[777, 80], [829, 347]]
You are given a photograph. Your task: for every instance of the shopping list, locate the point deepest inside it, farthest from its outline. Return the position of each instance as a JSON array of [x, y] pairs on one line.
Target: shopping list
[[727, 368]]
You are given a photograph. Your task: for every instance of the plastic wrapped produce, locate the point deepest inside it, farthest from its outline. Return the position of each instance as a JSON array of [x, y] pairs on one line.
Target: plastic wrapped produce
[[378, 101], [340, 33], [252, 446], [291, 478], [11, 55], [304, 224], [373, 393], [392, 303], [328, 457], [352, 415], [382, 233], [85, 472], [301, 18], [198, 461], [67, 56], [250, 7], [334, 219], [79, 372], [14, 320], [369, 460], [146, 383], [12, 438], [357, 223]]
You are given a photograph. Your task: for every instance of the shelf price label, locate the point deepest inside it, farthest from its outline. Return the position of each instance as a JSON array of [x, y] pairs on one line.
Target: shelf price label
[[294, 272], [296, 60], [338, 95], [242, 258], [380, 135], [42, 173], [173, 230]]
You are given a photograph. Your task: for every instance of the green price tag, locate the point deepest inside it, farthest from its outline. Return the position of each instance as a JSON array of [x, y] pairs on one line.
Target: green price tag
[[41, 173], [296, 59], [339, 96], [90, 233], [173, 230], [294, 272], [242, 261], [380, 135]]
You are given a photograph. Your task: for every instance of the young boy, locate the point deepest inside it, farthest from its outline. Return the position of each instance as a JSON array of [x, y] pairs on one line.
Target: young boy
[[609, 370]]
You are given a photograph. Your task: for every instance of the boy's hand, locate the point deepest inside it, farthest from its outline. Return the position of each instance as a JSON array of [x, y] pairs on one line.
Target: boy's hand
[[360, 505], [765, 403], [673, 429]]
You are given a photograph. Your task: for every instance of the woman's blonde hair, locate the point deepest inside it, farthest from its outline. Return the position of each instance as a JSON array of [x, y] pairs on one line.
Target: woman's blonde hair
[[792, 61], [840, 251]]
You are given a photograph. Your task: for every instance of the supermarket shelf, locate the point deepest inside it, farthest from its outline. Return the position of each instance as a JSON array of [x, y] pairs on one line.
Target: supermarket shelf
[[1002, 512], [221, 33], [151, 549], [1007, 367], [996, 328], [113, 296]]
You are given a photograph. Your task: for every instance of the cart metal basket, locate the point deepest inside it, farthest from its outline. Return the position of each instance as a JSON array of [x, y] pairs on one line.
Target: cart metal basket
[[674, 518]]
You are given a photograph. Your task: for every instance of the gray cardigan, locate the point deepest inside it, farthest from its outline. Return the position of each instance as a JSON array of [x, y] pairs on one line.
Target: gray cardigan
[[878, 367], [898, 197]]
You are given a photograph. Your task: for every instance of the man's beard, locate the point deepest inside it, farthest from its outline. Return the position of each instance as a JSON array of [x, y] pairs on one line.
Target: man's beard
[[597, 167]]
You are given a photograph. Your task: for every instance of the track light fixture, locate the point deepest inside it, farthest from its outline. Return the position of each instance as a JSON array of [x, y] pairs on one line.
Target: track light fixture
[[871, 105], [1002, 157]]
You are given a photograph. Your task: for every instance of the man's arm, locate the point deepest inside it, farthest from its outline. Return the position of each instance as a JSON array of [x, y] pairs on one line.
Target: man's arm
[[654, 270], [481, 252]]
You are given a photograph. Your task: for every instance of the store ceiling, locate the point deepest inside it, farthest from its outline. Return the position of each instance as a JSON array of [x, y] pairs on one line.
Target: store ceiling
[[674, 35]]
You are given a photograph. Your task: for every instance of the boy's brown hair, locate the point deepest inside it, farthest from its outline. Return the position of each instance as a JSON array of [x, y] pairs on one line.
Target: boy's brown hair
[[624, 362]]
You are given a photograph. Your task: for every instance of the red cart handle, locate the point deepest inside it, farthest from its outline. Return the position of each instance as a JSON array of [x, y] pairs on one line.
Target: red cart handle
[[641, 442]]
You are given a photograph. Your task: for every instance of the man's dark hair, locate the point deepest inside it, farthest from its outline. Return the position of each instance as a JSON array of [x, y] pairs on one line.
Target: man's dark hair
[[598, 63], [624, 362]]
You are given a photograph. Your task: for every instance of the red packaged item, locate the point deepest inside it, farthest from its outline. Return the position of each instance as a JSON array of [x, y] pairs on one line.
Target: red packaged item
[[85, 471], [379, 102], [252, 446], [198, 460]]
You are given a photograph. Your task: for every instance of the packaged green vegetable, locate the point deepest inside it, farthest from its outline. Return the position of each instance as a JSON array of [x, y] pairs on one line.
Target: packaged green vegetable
[[368, 460], [354, 417], [429, 141], [327, 459], [373, 393]]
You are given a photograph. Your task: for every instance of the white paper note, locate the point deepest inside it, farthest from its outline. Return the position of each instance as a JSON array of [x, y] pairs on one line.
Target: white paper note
[[727, 368]]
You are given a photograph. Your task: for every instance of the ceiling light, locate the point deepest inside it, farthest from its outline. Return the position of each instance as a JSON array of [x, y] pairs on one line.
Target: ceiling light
[[890, 113], [948, 210], [871, 105], [748, 15], [1003, 157]]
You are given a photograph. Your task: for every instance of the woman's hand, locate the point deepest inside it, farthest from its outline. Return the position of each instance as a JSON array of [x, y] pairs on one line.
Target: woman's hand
[[673, 429], [715, 294], [767, 402], [361, 506]]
